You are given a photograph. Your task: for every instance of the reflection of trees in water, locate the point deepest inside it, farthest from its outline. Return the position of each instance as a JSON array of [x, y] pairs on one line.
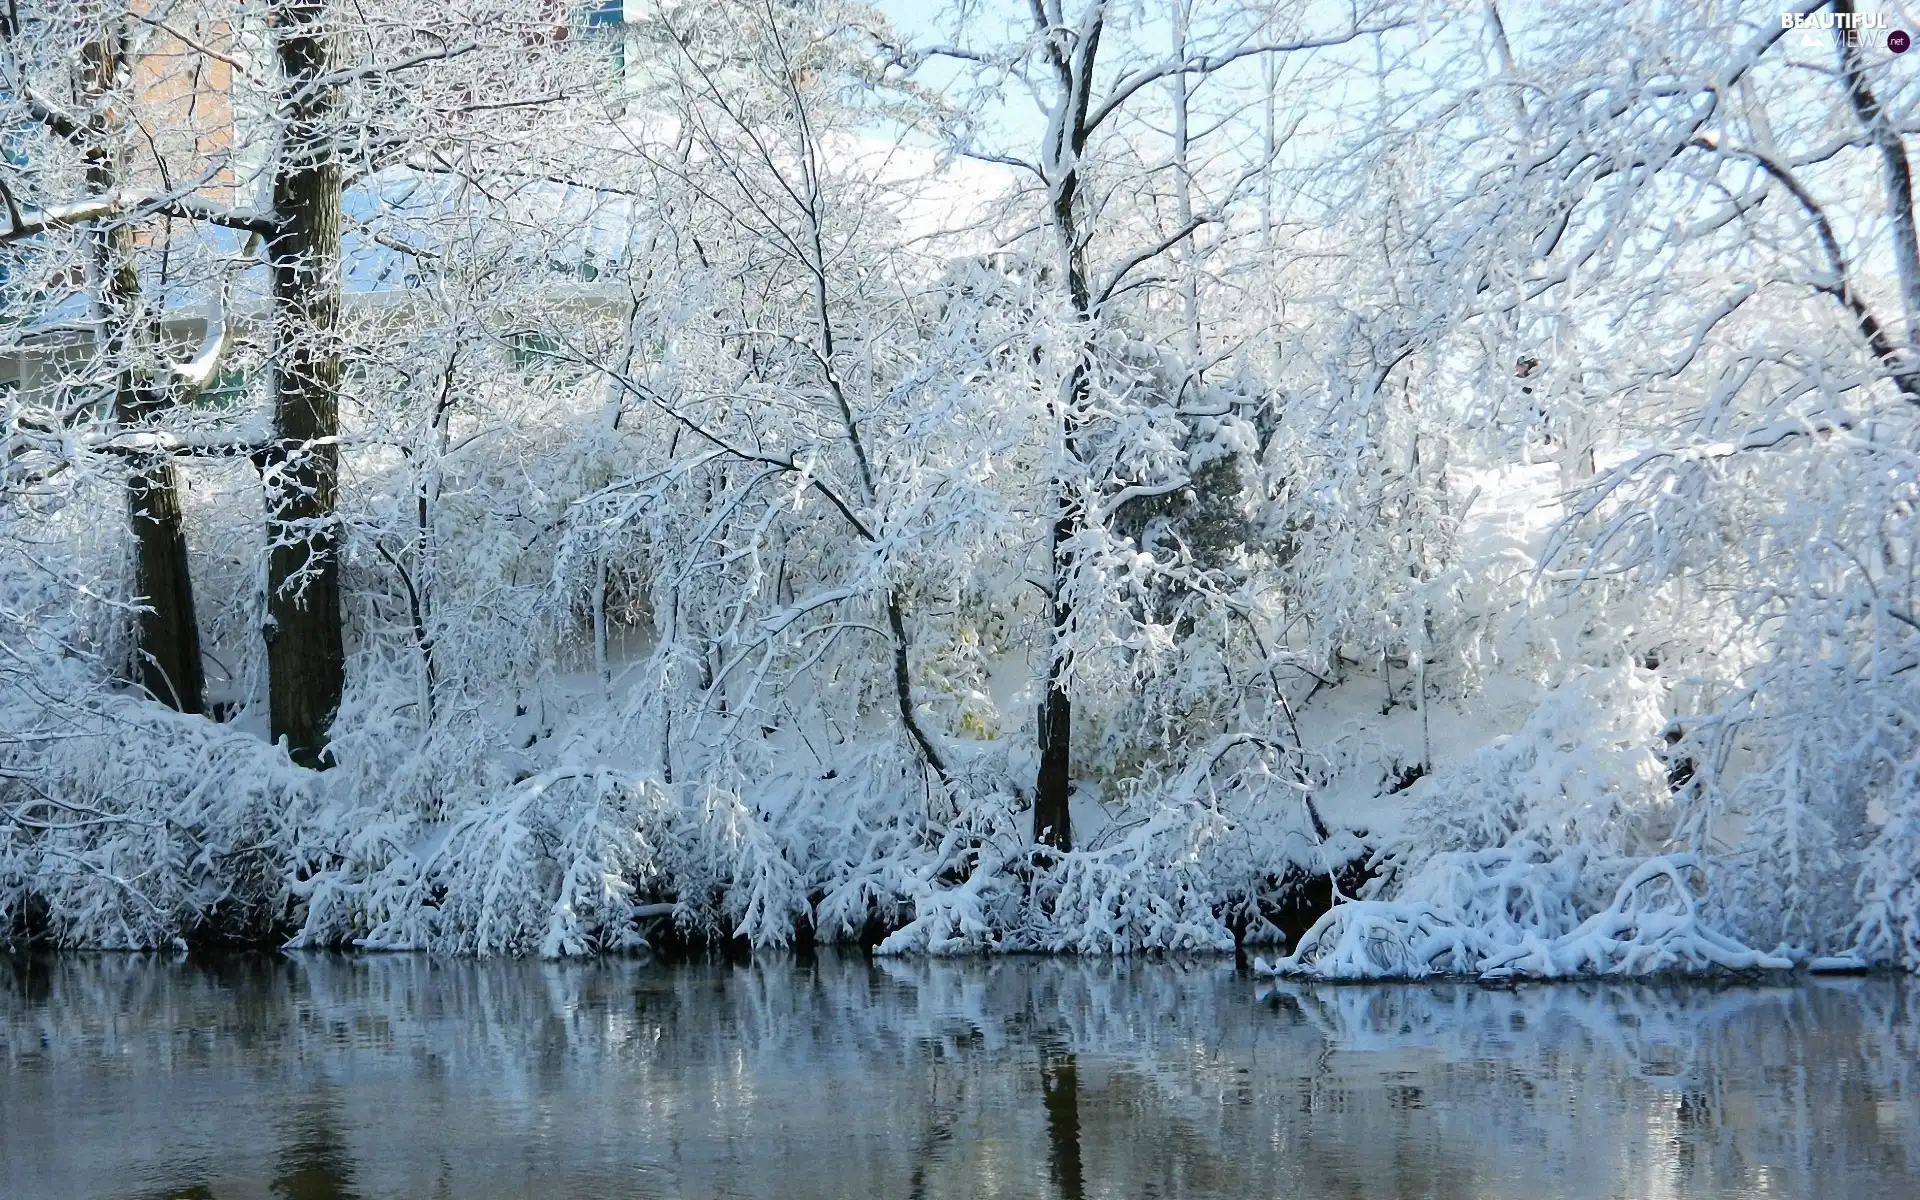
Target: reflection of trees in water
[[1681, 1088], [843, 1077], [1060, 1086], [940, 1120], [314, 1164]]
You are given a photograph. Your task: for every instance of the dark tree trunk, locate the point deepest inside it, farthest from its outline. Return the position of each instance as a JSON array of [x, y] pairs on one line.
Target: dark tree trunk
[[1896, 176], [306, 657], [903, 688], [1053, 784], [1073, 68], [169, 635], [167, 645]]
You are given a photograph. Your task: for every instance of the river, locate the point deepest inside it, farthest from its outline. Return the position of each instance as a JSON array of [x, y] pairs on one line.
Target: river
[[838, 1076]]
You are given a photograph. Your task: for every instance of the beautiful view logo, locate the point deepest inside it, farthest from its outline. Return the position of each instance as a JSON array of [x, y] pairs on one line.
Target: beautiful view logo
[[1859, 29]]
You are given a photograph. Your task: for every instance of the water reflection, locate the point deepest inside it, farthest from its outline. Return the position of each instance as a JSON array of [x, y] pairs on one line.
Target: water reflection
[[1060, 1085], [335, 1077], [315, 1164]]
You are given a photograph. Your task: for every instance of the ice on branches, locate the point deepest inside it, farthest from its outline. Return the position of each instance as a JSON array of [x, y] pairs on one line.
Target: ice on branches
[[1439, 490]]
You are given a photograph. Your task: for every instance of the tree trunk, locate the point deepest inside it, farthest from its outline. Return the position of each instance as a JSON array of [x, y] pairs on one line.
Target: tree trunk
[[169, 635], [1896, 176], [1053, 784], [1068, 133], [306, 658], [167, 643]]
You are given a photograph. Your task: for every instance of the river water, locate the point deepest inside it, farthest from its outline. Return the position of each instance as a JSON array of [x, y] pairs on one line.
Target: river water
[[322, 1076]]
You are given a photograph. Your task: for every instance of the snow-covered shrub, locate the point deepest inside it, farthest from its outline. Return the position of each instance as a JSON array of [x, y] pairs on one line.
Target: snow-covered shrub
[[1530, 857], [126, 826]]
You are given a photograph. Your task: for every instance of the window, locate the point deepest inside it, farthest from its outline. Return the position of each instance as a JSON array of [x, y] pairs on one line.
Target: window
[[532, 349], [13, 145], [605, 21], [15, 159], [14, 138], [225, 390]]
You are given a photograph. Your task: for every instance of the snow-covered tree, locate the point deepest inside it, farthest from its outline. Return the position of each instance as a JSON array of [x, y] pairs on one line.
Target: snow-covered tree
[[1080, 476]]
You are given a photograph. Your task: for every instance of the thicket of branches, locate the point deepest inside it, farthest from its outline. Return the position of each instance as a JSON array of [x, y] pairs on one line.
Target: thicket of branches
[[1078, 476]]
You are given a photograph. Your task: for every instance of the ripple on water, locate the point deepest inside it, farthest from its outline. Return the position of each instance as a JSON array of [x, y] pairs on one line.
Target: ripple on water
[[329, 1076]]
